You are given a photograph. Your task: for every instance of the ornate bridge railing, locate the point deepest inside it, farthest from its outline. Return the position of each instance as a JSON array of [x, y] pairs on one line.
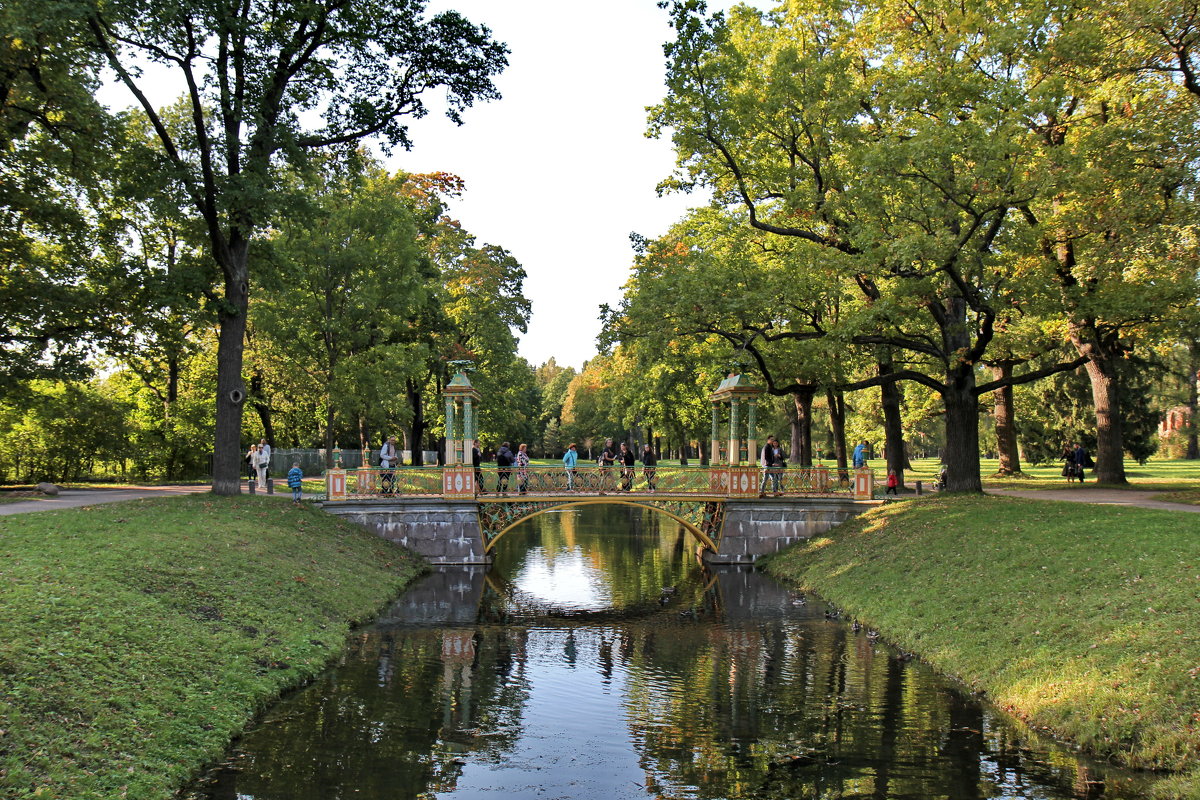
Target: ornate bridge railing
[[513, 484]]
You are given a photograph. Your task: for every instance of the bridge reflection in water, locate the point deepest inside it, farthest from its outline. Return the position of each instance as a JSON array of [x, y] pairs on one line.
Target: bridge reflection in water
[[596, 661]]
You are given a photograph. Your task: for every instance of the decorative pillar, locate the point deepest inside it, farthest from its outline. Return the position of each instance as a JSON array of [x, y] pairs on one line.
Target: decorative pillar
[[735, 435], [458, 478], [752, 432], [451, 426], [714, 453]]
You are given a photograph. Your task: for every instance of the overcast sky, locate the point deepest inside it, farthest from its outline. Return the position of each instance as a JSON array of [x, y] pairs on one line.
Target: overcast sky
[[560, 171]]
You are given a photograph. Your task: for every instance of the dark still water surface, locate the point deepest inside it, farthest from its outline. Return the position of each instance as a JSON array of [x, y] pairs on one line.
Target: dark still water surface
[[598, 659]]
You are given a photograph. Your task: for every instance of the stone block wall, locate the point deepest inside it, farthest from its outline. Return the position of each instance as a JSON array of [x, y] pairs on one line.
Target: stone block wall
[[757, 527], [443, 531]]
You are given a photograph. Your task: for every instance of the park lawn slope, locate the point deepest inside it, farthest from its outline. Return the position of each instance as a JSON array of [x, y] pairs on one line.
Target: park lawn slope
[[138, 638], [1078, 618]]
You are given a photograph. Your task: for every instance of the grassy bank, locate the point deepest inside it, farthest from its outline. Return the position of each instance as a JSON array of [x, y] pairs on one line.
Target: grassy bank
[[138, 638], [1081, 619]]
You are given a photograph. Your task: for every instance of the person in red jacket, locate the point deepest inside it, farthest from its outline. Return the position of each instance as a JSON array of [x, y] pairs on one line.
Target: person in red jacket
[[892, 483]]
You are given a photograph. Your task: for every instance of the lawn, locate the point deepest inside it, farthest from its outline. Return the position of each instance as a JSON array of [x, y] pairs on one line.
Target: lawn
[[1081, 619], [138, 638]]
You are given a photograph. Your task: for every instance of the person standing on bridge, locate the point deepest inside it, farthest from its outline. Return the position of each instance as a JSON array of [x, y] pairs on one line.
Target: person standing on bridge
[[522, 468], [477, 462], [570, 459], [504, 460], [387, 462], [628, 464], [649, 465], [608, 457]]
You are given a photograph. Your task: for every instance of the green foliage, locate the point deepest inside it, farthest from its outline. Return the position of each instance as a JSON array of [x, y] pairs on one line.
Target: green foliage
[[60, 432], [139, 638]]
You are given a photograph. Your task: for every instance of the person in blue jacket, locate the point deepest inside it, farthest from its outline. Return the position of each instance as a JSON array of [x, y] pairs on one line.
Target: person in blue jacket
[[295, 479], [570, 459]]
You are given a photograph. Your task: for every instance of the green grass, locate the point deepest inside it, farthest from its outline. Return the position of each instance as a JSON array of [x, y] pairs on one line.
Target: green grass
[[1081, 619], [1155, 474], [138, 638]]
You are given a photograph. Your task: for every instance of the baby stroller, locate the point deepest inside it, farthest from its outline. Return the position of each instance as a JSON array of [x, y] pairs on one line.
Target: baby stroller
[[940, 483]]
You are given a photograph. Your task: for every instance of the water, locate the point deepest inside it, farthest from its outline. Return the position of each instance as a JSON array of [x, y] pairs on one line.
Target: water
[[597, 659]]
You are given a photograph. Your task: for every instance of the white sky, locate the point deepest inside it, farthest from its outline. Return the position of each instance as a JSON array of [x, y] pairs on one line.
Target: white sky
[[559, 171]]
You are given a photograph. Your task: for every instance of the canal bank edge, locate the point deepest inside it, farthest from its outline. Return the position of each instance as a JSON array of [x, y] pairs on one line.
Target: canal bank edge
[[1081, 620], [141, 638]]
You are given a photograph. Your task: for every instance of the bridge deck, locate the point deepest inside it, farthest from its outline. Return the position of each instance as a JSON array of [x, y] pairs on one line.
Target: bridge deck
[[665, 482]]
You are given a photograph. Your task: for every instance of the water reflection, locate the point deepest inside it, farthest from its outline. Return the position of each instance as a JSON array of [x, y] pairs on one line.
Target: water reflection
[[596, 660]]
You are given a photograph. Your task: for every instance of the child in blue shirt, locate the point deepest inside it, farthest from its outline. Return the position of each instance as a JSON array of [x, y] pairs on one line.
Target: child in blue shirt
[[295, 479]]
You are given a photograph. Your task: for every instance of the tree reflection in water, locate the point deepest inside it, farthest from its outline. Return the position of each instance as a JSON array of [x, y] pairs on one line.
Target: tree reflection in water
[[655, 679]]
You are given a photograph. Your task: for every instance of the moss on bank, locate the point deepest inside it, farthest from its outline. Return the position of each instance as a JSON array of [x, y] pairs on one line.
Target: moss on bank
[[138, 638], [1081, 619]]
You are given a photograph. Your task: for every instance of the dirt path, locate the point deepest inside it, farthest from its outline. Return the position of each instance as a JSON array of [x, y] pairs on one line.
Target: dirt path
[[1107, 497], [74, 498]]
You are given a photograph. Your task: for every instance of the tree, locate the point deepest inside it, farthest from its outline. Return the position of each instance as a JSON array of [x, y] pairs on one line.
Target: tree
[[54, 138], [347, 284], [254, 73], [896, 141]]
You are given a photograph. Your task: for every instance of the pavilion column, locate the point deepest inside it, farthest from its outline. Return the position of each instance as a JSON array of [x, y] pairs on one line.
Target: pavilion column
[[714, 453], [735, 438], [752, 431], [451, 427], [468, 429]]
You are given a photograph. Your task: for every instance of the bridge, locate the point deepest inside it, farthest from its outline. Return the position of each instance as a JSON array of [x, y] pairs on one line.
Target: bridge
[[456, 514]]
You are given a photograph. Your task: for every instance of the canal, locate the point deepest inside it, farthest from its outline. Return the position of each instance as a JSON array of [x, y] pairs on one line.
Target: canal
[[598, 659]]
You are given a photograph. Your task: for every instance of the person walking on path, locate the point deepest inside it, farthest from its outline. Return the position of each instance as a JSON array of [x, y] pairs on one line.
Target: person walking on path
[[262, 461], [252, 462], [893, 483], [522, 468], [504, 460], [570, 459], [264, 455], [860, 454], [295, 479], [649, 466]]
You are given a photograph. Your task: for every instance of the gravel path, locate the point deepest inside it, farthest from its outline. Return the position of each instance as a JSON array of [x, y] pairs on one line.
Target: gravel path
[[74, 498], [1106, 497]]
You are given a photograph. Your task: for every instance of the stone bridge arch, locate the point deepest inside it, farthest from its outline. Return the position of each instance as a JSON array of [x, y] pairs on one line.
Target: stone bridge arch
[[701, 517]]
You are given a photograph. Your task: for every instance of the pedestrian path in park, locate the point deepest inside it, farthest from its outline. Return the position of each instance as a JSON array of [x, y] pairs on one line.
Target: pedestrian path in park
[[75, 498], [1105, 497]]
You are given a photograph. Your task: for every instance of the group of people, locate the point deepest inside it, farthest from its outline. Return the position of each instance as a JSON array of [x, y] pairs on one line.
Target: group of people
[[770, 459], [258, 469], [1075, 461], [621, 455]]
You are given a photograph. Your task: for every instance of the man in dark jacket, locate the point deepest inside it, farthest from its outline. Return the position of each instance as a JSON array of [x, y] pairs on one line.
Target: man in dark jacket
[[504, 460], [649, 466]]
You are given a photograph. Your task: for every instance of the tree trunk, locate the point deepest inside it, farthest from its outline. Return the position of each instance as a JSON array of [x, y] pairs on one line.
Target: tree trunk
[[1006, 429], [416, 439], [962, 431], [802, 427], [1102, 353], [1193, 378], [893, 424], [231, 391], [1110, 455], [330, 443], [837, 422]]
